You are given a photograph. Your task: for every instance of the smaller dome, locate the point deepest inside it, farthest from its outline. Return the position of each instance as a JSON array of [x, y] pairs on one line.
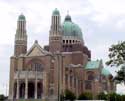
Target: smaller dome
[[56, 12], [105, 72], [68, 18], [21, 17]]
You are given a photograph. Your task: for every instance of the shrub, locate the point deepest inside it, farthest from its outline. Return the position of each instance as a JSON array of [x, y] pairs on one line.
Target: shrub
[[69, 95], [85, 96]]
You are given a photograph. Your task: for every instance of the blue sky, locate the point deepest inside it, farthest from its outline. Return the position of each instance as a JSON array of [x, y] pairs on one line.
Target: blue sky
[[102, 23]]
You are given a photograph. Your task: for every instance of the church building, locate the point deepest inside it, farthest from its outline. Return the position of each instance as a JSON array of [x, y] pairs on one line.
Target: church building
[[44, 73]]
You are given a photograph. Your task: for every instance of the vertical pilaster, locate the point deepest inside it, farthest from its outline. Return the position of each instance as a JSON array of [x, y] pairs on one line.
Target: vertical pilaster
[[69, 82], [77, 87], [73, 83], [26, 88], [17, 95], [36, 86]]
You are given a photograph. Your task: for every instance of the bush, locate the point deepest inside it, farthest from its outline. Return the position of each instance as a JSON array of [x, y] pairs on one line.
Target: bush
[[102, 96], [2, 97], [69, 95], [85, 96]]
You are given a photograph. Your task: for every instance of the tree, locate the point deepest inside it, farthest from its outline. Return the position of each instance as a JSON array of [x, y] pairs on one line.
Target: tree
[[120, 77], [69, 95], [116, 54], [85, 96], [117, 58]]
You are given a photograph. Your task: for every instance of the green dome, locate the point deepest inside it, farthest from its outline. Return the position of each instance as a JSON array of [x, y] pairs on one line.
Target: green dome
[[105, 72], [70, 28], [21, 17], [56, 12]]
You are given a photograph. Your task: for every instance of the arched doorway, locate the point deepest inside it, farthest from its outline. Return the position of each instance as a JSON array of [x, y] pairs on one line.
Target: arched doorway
[[39, 89], [31, 90], [22, 90]]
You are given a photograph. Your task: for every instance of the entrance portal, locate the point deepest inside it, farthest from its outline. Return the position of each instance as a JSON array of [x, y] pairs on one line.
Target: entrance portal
[[31, 90], [22, 90]]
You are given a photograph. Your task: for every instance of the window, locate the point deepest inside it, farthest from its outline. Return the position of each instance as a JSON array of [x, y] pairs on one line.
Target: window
[[90, 75], [88, 85], [66, 41], [63, 41], [71, 80], [69, 41], [52, 76], [66, 79], [105, 86], [37, 67], [51, 91]]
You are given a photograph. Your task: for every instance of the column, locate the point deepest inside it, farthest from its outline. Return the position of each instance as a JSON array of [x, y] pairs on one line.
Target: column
[[26, 88], [69, 82], [17, 93], [73, 84], [77, 88], [36, 88]]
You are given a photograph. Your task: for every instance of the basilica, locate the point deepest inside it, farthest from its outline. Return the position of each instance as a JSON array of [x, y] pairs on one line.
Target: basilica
[[45, 73]]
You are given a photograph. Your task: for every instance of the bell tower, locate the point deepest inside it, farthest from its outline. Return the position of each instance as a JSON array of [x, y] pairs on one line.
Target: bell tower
[[55, 36], [20, 36]]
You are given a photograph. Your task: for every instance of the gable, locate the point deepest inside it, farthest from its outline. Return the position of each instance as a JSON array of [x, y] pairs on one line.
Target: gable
[[36, 50]]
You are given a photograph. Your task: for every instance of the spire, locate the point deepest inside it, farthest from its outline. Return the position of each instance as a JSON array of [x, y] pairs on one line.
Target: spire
[[55, 36], [21, 28], [56, 21], [20, 36]]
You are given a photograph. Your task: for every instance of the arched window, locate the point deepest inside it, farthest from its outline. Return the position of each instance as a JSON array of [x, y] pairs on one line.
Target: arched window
[[90, 75]]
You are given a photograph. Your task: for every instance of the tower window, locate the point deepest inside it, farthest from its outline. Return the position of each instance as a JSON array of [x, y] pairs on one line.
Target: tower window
[[66, 41], [69, 41], [63, 41]]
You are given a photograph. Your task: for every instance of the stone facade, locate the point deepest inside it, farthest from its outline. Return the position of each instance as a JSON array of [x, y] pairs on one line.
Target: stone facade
[[45, 73]]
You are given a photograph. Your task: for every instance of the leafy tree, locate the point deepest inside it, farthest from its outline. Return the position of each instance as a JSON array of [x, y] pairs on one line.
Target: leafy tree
[[117, 58], [69, 95], [85, 96], [116, 54], [120, 77]]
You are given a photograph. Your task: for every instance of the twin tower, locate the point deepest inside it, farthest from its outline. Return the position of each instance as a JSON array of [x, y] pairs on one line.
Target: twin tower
[[63, 37]]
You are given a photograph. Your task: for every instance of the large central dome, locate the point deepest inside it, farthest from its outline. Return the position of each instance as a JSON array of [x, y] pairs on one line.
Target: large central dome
[[71, 29]]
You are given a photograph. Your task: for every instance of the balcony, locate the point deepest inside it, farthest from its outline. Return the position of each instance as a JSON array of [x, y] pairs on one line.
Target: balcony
[[28, 75]]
